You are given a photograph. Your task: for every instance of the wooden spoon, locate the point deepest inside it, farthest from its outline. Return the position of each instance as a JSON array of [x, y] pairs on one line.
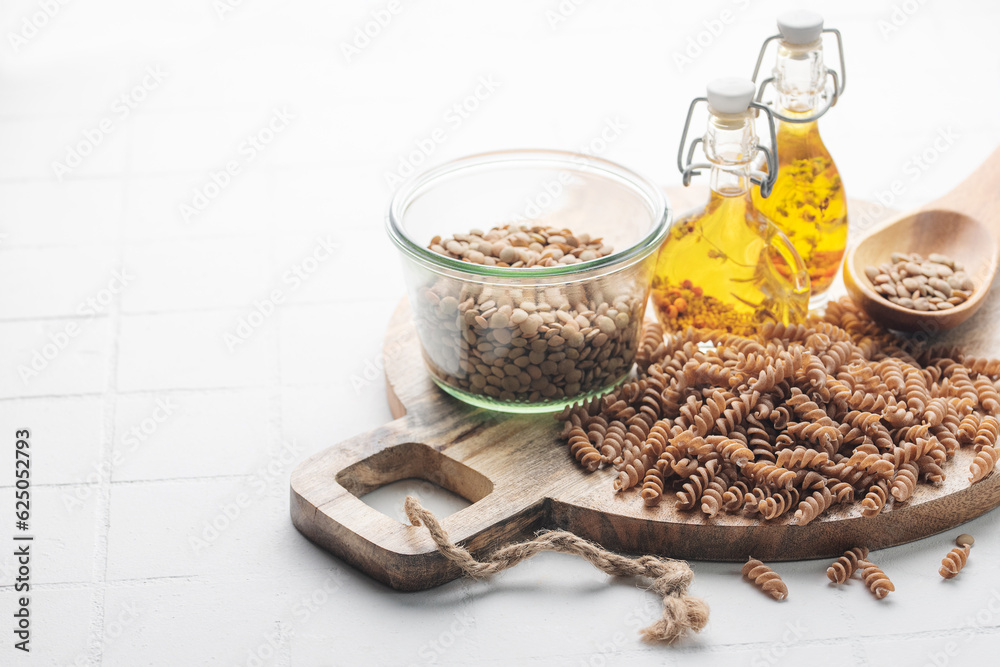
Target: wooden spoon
[[963, 224]]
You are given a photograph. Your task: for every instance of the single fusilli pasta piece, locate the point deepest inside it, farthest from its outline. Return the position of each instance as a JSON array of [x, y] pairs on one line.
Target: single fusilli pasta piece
[[954, 561], [867, 457], [652, 487], [801, 457], [777, 504], [810, 508], [986, 434], [765, 579], [732, 450], [711, 499], [875, 579], [632, 469], [735, 497], [845, 566], [651, 339], [582, 450], [930, 470], [692, 490], [968, 427], [983, 463], [773, 476], [988, 396], [904, 482], [875, 500]]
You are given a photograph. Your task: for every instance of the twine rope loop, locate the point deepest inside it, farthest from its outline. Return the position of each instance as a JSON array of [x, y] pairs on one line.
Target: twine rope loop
[[682, 613]]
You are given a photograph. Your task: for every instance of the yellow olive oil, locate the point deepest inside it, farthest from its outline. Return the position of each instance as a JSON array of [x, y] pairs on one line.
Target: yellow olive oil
[[808, 202], [726, 267]]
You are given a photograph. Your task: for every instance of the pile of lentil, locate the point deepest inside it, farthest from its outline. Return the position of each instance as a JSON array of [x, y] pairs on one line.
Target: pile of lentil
[[908, 280], [514, 341], [519, 245]]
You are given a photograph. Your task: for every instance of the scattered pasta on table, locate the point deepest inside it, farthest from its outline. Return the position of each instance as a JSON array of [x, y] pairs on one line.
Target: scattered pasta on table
[[875, 579], [954, 561], [765, 579], [844, 567]]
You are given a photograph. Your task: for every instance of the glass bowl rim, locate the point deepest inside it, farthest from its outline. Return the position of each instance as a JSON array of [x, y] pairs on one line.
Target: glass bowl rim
[[418, 183]]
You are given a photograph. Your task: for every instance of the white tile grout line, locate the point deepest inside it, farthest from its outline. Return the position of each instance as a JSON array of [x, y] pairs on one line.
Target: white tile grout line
[[212, 390], [231, 477], [275, 415], [316, 302], [29, 319], [208, 579], [858, 652], [125, 174], [103, 526], [151, 393], [222, 309]]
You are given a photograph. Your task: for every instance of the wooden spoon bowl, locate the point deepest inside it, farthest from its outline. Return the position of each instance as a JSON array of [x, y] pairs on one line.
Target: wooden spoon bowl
[[963, 238], [964, 225]]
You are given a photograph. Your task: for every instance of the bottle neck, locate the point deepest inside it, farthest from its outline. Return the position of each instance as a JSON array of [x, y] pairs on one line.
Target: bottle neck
[[799, 77], [730, 145], [730, 181], [797, 129]]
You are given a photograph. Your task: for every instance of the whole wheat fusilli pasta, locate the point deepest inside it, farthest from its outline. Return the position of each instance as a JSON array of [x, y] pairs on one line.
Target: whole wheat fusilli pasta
[[785, 424], [875, 579], [954, 561], [845, 566], [765, 579]]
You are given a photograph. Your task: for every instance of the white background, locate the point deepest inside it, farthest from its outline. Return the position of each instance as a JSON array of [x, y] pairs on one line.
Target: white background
[[117, 580]]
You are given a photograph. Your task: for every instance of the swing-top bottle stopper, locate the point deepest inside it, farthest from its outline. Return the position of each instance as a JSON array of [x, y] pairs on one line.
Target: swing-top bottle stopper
[[730, 138]]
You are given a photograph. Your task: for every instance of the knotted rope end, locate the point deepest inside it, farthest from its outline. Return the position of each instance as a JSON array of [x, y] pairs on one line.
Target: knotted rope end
[[682, 615]]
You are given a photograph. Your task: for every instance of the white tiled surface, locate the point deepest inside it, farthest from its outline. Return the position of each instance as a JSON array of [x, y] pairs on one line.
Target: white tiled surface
[[162, 456]]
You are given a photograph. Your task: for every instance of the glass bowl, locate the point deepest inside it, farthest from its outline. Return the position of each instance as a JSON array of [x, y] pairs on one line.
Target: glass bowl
[[529, 339]]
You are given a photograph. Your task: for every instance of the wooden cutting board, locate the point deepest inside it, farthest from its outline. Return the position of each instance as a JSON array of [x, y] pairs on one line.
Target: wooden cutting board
[[520, 478]]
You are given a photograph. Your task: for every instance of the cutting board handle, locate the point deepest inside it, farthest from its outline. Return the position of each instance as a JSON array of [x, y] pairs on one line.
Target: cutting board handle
[[327, 508], [978, 196]]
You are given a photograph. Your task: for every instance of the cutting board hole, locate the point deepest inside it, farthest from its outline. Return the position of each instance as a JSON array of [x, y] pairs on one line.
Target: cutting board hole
[[389, 499], [444, 485]]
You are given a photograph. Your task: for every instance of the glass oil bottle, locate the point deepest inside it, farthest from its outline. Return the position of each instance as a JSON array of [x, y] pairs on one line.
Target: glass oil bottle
[[725, 266], [808, 202]]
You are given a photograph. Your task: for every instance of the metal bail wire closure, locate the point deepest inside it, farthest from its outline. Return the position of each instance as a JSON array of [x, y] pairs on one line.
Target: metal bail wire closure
[[831, 92], [763, 179]]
